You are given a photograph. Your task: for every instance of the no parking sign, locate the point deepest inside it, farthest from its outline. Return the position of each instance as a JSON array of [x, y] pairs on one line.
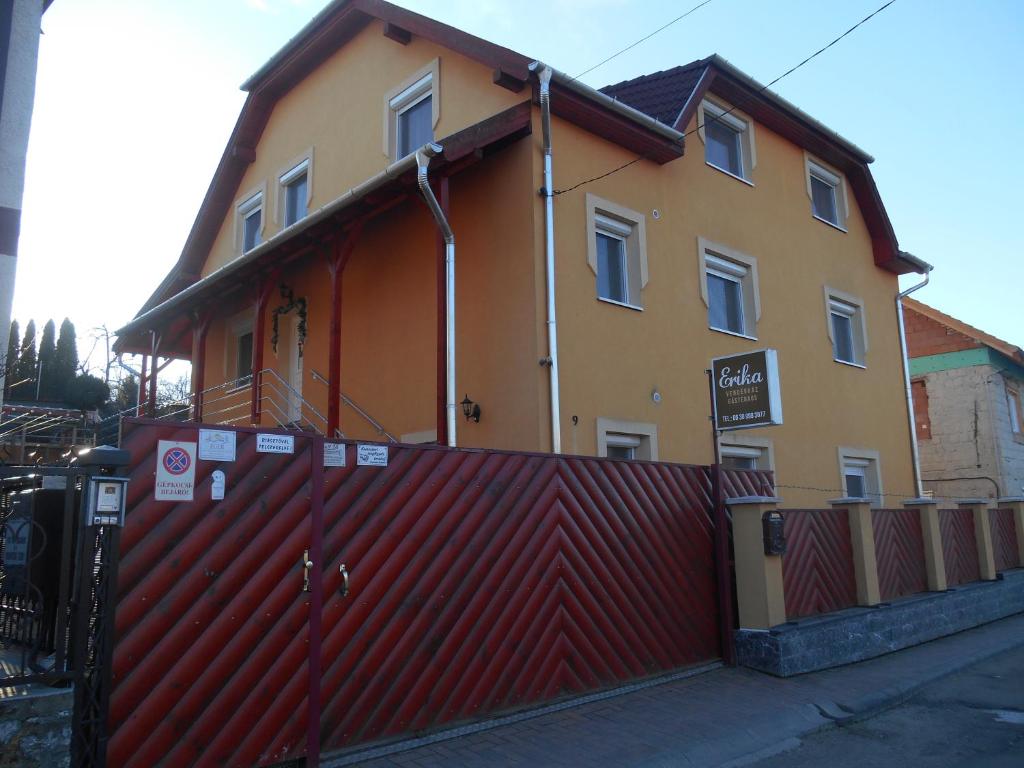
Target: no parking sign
[[175, 471]]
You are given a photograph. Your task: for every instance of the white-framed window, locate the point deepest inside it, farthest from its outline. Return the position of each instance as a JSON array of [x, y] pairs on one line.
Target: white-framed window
[[239, 338], [827, 191], [1016, 409], [729, 289], [250, 221], [860, 474], [616, 251], [728, 140], [411, 112], [295, 192], [740, 452], [847, 329], [618, 439]]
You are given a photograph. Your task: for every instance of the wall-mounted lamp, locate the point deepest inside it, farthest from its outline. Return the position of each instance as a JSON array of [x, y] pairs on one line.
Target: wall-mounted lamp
[[470, 409]]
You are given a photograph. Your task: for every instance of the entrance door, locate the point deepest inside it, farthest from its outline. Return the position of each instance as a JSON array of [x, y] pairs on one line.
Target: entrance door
[[294, 372]]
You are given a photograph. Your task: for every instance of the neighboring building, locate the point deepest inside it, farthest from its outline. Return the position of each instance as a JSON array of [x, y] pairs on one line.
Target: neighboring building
[[737, 222], [19, 49], [967, 387]]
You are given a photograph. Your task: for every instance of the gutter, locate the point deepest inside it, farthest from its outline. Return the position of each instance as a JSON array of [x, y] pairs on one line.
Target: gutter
[[422, 157], [544, 76], [354, 195], [915, 455]]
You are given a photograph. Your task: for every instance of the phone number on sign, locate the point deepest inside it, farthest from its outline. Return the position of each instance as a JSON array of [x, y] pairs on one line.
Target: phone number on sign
[[745, 416]]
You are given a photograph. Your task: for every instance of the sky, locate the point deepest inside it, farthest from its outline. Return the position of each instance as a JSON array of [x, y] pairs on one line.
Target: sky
[[135, 100]]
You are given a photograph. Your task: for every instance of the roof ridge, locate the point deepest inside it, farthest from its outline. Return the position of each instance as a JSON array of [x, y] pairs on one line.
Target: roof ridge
[[660, 73]]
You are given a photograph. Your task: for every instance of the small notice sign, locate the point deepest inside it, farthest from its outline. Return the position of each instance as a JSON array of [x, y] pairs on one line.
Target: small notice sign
[[217, 483], [371, 455], [746, 390], [334, 454], [55, 482], [175, 471], [275, 443], [216, 445]]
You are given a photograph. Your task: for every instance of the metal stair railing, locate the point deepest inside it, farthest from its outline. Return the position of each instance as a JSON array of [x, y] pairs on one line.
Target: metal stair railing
[[346, 400]]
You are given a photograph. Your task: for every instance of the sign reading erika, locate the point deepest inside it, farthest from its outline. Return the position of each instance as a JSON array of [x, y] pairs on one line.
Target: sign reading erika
[[746, 390]]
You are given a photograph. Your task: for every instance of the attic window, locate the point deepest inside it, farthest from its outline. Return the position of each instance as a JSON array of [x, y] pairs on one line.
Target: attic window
[[295, 191], [828, 194], [413, 116], [250, 214], [728, 140]]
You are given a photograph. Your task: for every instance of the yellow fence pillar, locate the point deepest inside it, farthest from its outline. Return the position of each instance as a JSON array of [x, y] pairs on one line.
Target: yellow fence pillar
[[759, 592], [1016, 503], [862, 541], [934, 560], [983, 536]]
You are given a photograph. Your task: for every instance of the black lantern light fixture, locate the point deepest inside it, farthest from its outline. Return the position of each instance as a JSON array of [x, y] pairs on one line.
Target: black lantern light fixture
[[470, 409]]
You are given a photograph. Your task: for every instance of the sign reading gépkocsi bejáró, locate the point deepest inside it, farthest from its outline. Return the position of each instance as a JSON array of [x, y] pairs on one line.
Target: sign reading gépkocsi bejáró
[[746, 390]]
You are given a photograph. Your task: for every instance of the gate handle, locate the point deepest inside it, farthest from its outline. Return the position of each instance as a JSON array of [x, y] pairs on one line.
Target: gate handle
[[344, 580], [306, 565]]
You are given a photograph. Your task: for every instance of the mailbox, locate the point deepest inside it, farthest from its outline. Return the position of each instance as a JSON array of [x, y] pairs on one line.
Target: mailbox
[[773, 526]]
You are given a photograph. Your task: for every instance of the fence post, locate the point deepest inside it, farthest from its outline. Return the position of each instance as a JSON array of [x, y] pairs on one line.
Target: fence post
[[934, 559], [862, 542], [759, 593], [983, 536], [1016, 503]]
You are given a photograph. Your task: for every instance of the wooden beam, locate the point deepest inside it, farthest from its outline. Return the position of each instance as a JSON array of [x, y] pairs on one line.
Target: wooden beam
[[506, 80], [199, 330], [396, 33], [259, 325], [343, 248]]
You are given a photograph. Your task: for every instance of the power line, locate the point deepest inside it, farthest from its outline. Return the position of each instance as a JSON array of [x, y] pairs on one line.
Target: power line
[[763, 88], [642, 39]]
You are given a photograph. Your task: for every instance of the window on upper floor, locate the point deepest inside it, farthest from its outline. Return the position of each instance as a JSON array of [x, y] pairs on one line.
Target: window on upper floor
[[618, 439], [412, 112], [295, 192], [846, 327], [728, 140], [616, 251], [729, 289], [860, 474], [243, 355], [1013, 402], [250, 221], [827, 191]]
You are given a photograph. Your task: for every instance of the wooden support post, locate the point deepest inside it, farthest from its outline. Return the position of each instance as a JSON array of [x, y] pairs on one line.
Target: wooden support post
[[140, 397], [983, 536], [934, 559], [1016, 503], [862, 542], [259, 324], [759, 592], [336, 267], [201, 324], [443, 198], [154, 368]]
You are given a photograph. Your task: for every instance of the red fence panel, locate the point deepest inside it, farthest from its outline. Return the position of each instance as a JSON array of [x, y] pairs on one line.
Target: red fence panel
[[817, 569], [1004, 540], [959, 546], [899, 551]]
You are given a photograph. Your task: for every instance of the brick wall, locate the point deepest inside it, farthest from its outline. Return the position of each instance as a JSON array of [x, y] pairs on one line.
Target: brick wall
[[928, 337]]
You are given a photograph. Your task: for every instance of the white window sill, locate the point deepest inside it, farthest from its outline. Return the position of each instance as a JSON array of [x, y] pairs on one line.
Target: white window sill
[[730, 174], [732, 333], [830, 223], [852, 365], [620, 304]]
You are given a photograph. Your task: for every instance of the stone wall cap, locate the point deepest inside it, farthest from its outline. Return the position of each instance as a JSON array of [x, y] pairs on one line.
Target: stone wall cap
[[969, 502], [1010, 499], [920, 501], [851, 500], [754, 500]]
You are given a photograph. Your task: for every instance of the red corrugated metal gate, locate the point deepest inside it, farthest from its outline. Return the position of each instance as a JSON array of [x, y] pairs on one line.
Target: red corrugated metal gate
[[480, 582]]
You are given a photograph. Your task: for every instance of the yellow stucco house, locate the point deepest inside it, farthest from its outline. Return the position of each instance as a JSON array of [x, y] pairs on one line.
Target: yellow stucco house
[[407, 218]]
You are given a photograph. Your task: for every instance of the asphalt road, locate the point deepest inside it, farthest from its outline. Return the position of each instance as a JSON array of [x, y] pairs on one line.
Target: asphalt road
[[973, 719]]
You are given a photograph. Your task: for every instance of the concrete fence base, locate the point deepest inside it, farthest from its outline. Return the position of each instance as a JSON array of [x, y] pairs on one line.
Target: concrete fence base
[[856, 634]]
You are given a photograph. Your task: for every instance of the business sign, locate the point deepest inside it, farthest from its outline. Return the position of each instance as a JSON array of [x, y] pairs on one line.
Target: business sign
[[175, 471], [216, 445], [275, 443], [371, 456], [746, 390]]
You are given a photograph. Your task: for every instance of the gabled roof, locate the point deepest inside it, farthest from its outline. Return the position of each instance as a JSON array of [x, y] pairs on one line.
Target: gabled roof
[[662, 95], [1004, 348]]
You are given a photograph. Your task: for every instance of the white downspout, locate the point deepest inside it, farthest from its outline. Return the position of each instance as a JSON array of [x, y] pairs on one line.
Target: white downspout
[[423, 156], [544, 74], [918, 488]]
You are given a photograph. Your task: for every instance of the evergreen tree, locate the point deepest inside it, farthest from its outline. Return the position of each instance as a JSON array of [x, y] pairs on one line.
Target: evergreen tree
[[50, 387], [25, 370], [66, 359], [11, 361]]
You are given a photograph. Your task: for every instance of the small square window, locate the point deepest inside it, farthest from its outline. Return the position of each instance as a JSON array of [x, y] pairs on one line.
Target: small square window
[[728, 141], [861, 478], [827, 193], [412, 113], [730, 292], [846, 328], [295, 193], [251, 215], [616, 252]]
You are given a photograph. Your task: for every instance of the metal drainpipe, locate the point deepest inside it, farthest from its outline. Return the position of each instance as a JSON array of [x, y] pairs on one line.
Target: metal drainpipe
[[544, 74], [423, 156], [918, 488]]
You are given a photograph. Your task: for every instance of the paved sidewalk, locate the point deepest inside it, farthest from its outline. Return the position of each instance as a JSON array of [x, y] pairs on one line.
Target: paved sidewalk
[[724, 717]]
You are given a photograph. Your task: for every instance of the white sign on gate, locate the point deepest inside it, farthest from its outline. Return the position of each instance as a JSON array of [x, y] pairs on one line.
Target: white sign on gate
[[371, 455], [175, 471], [216, 445], [334, 454], [275, 443]]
